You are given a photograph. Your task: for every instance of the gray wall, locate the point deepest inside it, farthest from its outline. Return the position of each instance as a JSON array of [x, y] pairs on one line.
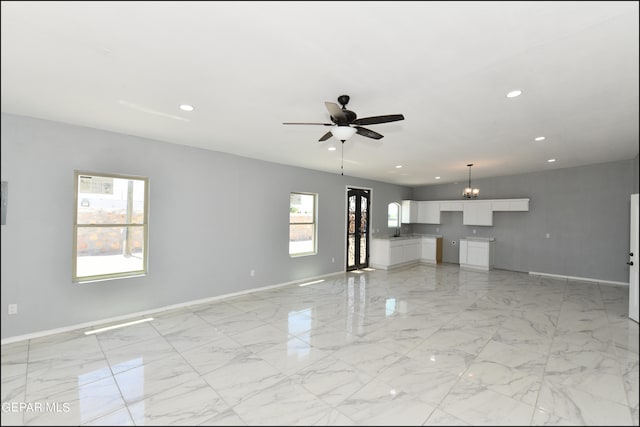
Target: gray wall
[[213, 217], [635, 173], [584, 209]]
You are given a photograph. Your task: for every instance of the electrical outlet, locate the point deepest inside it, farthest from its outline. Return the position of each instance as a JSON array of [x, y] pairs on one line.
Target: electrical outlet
[[333, 259], [437, 229], [548, 236], [474, 231], [13, 309], [252, 273]]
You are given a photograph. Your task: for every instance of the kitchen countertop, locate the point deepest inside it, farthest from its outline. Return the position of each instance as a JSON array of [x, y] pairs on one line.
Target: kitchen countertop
[[482, 239], [407, 236]]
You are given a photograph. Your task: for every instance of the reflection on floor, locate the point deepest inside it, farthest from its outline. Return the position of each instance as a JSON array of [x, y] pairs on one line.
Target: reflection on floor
[[420, 345]]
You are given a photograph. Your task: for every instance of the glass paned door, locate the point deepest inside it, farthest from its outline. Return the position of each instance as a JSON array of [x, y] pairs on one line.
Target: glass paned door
[[358, 203]]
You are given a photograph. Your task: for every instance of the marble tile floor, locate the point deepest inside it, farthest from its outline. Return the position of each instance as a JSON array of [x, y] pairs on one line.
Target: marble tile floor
[[423, 345]]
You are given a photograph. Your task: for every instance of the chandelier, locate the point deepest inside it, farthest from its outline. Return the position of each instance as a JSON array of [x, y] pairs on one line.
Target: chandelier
[[470, 192]]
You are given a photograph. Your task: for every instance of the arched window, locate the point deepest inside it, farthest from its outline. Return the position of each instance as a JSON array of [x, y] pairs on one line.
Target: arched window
[[393, 215]]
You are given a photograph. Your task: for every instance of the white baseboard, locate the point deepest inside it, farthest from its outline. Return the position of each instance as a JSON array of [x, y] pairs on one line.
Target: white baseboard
[[581, 279], [130, 316]]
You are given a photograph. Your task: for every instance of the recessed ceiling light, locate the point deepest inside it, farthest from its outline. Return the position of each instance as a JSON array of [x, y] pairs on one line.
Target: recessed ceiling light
[[331, 148], [437, 177], [398, 167], [514, 93], [186, 107], [540, 138], [551, 160]]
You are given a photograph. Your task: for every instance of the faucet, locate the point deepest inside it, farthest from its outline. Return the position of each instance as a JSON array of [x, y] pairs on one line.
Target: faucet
[[397, 231]]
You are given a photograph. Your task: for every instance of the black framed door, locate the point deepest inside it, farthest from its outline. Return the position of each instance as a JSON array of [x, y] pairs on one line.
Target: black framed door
[[358, 204]]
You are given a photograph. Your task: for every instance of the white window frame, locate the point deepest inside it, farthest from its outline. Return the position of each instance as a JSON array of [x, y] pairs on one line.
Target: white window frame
[[76, 226], [314, 222], [398, 208]]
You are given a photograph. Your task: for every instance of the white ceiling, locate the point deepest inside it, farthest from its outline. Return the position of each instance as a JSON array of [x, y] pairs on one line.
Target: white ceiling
[[247, 67]]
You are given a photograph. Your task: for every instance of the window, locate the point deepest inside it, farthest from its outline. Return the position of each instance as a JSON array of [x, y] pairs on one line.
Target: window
[[302, 224], [110, 226], [393, 215]]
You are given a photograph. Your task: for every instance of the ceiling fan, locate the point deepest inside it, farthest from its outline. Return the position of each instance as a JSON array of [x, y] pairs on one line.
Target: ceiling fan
[[346, 123]]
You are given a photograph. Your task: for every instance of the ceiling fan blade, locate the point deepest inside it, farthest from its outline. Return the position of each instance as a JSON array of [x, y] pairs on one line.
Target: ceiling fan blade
[[368, 133], [325, 136], [378, 119], [336, 112], [320, 124]]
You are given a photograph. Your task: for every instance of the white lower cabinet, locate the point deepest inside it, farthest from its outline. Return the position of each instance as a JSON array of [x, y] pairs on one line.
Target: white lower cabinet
[[477, 253], [396, 254], [389, 253], [431, 252], [411, 250]]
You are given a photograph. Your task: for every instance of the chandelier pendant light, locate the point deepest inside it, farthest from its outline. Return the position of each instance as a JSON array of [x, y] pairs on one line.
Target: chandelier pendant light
[[470, 192]]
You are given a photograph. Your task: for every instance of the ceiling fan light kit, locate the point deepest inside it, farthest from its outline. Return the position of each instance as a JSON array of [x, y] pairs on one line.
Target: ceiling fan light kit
[[346, 123], [343, 133]]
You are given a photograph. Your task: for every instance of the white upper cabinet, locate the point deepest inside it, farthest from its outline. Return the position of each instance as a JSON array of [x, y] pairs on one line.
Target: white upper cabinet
[[429, 212], [451, 205], [515, 205], [409, 212], [477, 212], [474, 212]]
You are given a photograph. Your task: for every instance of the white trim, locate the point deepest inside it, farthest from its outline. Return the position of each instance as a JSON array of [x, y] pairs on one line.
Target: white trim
[[582, 279], [471, 267], [156, 310]]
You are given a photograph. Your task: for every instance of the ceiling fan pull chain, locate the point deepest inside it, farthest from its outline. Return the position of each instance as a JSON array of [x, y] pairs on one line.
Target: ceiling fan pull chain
[[342, 160]]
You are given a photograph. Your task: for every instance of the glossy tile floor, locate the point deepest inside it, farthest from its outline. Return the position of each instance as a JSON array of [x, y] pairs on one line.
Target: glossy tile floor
[[422, 345]]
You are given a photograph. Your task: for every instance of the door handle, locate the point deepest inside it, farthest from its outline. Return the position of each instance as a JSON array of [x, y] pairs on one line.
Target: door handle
[[631, 254], [630, 263]]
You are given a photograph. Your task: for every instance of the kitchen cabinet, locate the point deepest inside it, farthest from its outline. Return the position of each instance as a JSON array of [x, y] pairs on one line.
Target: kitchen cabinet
[[387, 253], [409, 212], [474, 212], [477, 253], [429, 212], [431, 250], [450, 205], [513, 205], [477, 212], [393, 252], [411, 250]]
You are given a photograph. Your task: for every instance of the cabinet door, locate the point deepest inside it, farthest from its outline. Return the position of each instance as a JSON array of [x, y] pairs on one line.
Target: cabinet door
[[396, 254], [429, 212], [451, 206], [478, 253], [380, 252], [463, 252], [501, 205], [409, 212], [476, 212], [428, 251], [521, 205], [412, 251], [510, 205]]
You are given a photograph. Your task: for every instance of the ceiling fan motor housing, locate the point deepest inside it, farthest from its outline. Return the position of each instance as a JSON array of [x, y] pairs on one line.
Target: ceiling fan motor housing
[[343, 118]]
